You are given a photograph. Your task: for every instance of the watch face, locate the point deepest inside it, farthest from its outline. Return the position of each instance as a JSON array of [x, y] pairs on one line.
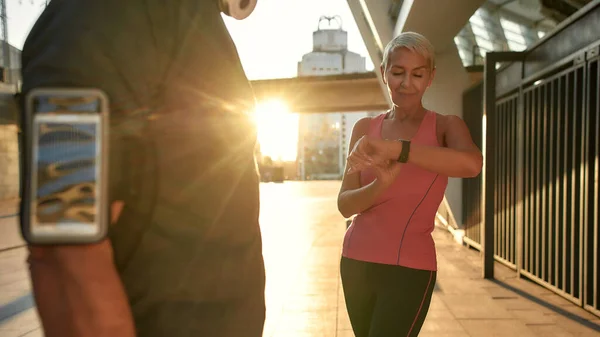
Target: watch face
[[405, 150]]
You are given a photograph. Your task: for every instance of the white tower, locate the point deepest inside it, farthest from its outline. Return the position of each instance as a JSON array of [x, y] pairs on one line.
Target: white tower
[[323, 138], [330, 55]]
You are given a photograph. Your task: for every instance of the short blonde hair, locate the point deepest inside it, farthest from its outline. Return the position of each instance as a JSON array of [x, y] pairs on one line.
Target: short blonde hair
[[412, 41]]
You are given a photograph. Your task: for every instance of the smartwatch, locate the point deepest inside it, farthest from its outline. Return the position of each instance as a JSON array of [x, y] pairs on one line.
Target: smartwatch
[[403, 158]]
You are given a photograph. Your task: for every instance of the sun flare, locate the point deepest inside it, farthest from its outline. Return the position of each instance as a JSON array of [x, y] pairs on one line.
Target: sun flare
[[277, 130]]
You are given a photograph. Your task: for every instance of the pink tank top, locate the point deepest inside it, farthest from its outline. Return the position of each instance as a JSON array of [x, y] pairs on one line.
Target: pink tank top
[[396, 230]]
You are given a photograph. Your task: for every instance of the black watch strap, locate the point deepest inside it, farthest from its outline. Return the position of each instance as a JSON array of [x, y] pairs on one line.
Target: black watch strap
[[403, 158]]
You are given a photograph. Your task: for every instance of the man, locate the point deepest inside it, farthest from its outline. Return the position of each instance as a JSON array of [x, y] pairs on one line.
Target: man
[[184, 255]]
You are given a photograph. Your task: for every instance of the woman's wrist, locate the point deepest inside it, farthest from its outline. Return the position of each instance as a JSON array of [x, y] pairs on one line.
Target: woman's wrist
[[381, 185], [394, 149]]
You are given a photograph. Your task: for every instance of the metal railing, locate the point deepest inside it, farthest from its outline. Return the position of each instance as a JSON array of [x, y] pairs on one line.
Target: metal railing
[[445, 218], [545, 193], [554, 174], [505, 181]]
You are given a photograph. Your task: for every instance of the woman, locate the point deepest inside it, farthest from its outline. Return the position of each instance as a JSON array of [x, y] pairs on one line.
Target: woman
[[396, 177]]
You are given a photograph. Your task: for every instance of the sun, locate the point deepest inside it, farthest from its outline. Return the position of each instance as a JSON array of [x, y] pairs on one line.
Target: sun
[[277, 130]]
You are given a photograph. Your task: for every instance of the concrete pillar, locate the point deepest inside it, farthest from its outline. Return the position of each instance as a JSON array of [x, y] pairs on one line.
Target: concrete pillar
[[9, 162], [445, 97]]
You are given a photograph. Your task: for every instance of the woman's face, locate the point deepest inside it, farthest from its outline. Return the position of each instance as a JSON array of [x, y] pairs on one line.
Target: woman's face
[[408, 75]]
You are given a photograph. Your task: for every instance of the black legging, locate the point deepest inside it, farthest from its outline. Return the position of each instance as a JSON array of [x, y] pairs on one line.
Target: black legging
[[386, 300]]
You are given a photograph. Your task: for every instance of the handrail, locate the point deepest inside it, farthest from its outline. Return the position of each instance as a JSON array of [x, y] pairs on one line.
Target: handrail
[[445, 217], [448, 219]]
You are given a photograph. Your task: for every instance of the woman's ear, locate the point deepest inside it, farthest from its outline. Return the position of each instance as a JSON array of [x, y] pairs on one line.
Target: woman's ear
[[382, 70], [431, 77]]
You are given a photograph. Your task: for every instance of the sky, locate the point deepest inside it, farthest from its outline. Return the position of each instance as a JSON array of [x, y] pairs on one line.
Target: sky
[[21, 14], [270, 42]]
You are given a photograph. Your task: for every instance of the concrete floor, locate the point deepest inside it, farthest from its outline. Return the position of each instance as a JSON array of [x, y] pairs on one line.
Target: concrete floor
[[302, 235]]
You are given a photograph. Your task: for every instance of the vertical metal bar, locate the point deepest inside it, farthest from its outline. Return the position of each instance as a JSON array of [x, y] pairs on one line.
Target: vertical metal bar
[[511, 184], [527, 173], [538, 181], [532, 248], [532, 192], [493, 121], [502, 168], [501, 139], [513, 180], [532, 183], [569, 199], [500, 187], [584, 202], [489, 100], [595, 219], [521, 175], [551, 179], [542, 187], [497, 153], [559, 178], [590, 168], [507, 159], [573, 152], [529, 226], [565, 187], [525, 176]]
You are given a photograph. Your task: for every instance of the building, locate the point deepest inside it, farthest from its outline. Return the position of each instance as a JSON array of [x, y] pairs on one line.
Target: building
[[323, 138], [11, 72]]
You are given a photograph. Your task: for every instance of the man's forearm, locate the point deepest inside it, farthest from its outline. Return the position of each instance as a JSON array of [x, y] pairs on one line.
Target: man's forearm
[[78, 291]]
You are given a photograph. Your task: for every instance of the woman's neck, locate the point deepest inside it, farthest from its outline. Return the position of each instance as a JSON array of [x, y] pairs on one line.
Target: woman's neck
[[407, 114]]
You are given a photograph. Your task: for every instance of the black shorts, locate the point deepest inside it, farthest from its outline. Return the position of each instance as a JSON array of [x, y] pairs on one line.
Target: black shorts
[[386, 300]]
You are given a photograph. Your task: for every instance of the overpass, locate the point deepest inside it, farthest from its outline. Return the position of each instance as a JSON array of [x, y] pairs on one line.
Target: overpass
[[322, 94]]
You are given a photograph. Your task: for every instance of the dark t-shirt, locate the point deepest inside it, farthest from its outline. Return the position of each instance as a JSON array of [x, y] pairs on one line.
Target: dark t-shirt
[[181, 132]]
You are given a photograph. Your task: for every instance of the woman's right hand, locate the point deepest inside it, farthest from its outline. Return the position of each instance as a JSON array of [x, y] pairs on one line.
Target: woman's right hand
[[386, 172]]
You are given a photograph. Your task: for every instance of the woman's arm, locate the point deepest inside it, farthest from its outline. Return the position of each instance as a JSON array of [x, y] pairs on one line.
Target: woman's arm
[[460, 158], [353, 198]]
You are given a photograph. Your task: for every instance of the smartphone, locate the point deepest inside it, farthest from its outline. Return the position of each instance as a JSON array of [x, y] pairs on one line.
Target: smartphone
[[65, 170]]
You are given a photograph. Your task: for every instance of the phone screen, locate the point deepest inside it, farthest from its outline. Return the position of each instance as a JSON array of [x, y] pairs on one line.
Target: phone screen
[[66, 165]]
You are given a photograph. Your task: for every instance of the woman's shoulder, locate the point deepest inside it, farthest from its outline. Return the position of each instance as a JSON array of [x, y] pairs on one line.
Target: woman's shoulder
[[363, 125], [445, 122]]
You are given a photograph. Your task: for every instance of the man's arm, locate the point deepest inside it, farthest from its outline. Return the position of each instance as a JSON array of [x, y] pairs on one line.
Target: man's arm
[[78, 291]]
